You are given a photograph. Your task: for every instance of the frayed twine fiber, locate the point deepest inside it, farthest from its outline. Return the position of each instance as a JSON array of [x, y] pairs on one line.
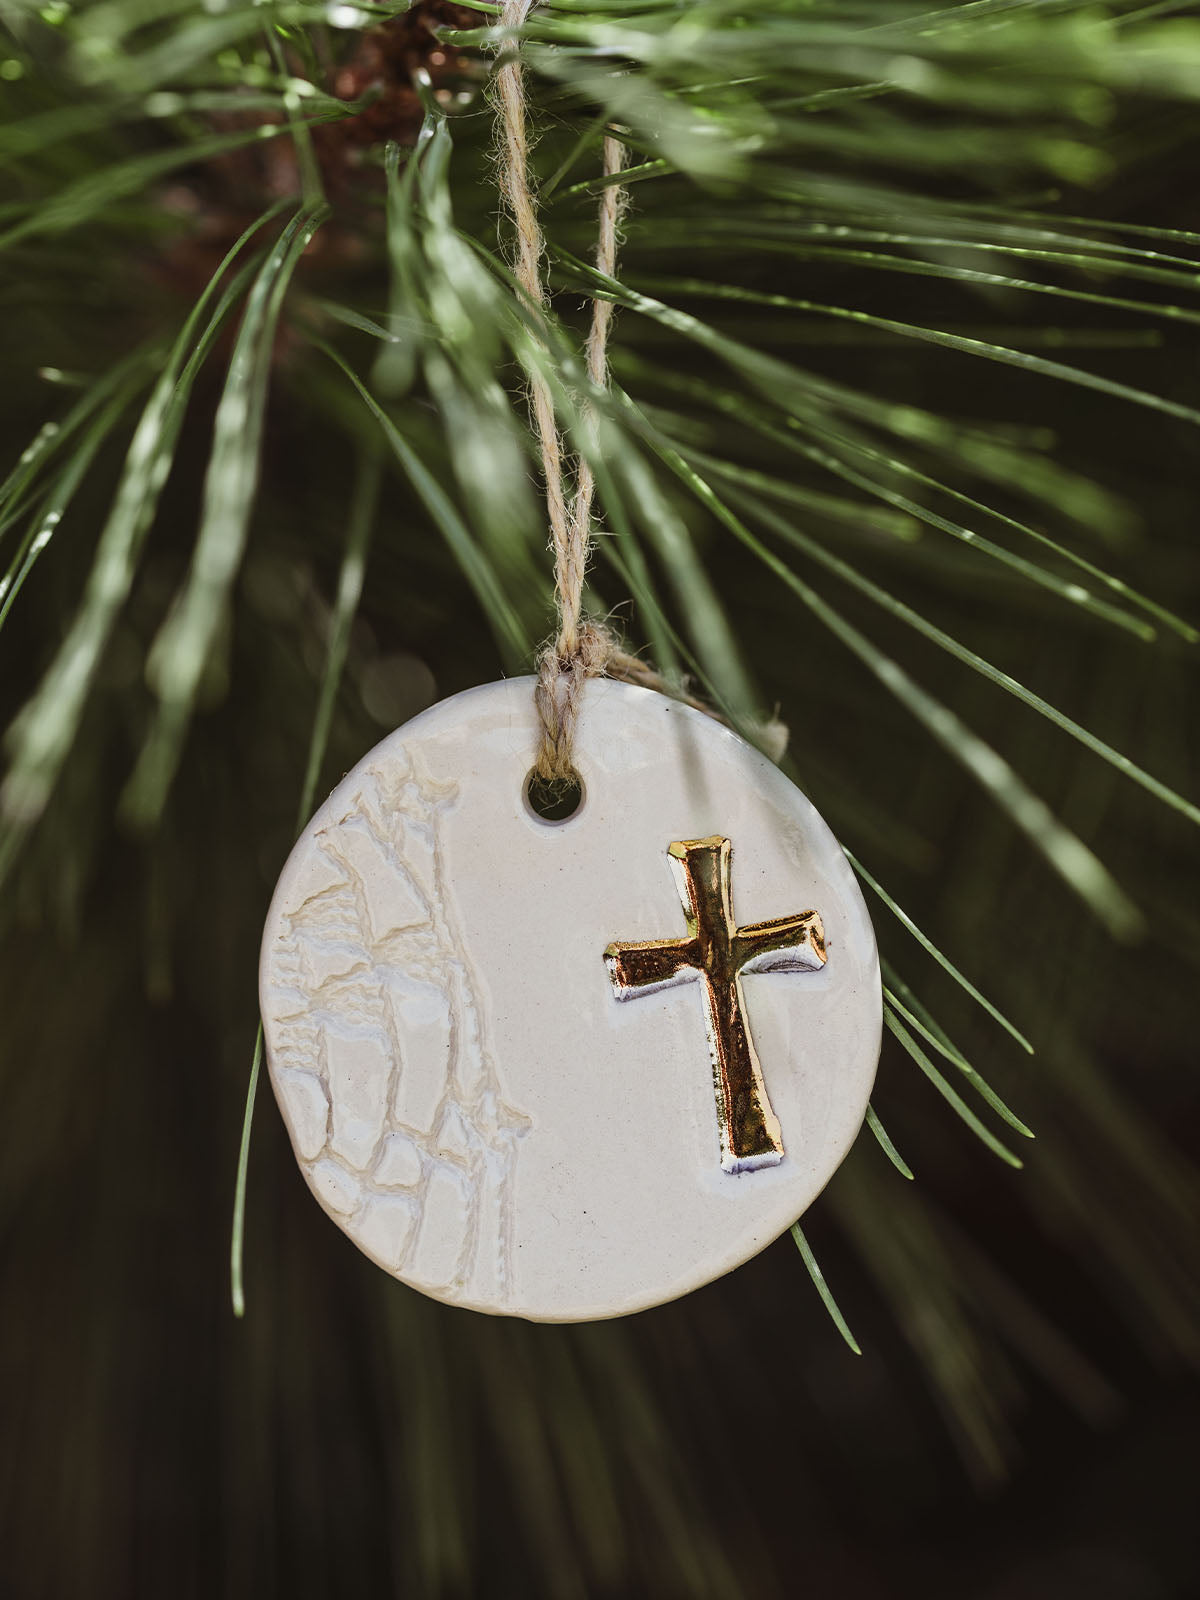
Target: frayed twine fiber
[[599, 653]]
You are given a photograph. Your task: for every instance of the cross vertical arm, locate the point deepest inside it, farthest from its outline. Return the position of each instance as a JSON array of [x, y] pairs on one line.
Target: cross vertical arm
[[717, 952]]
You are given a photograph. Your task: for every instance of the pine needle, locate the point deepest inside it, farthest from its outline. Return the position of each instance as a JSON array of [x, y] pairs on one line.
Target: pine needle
[[952, 1099], [886, 1145], [823, 1289], [184, 643], [43, 735], [1063, 850], [942, 960]]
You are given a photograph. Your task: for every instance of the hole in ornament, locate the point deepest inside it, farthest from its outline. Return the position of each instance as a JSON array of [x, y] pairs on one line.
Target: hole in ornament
[[554, 799]]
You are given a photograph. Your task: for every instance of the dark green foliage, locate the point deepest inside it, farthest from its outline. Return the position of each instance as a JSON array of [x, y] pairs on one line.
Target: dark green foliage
[[901, 439]]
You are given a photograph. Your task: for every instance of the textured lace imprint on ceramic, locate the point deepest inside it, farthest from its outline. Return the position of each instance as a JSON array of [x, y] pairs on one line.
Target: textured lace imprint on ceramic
[[369, 985]]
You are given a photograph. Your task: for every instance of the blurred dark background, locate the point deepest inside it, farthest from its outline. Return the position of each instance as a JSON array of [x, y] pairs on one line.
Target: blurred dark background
[[1023, 1421]]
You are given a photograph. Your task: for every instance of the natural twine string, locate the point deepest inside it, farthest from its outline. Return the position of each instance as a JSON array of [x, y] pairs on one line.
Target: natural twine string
[[583, 647], [528, 251]]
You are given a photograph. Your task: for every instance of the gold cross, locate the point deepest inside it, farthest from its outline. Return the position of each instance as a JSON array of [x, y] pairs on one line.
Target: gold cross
[[717, 951]]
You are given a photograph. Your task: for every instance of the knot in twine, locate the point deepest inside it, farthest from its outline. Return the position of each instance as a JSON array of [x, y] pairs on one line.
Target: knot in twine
[[559, 693], [595, 653]]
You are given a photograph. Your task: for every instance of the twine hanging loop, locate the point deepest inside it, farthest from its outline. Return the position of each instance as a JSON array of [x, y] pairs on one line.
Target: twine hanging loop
[[582, 648]]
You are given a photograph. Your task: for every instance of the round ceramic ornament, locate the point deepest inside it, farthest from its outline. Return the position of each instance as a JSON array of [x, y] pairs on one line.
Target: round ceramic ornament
[[565, 1070]]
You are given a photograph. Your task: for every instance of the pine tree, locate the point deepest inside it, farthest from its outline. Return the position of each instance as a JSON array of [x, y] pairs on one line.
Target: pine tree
[[898, 443]]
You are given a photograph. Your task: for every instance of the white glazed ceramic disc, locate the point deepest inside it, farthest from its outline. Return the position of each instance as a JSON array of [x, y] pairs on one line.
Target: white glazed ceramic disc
[[468, 1094]]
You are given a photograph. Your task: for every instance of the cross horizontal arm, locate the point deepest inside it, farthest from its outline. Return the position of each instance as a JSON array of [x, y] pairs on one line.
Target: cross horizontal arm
[[653, 965], [789, 944]]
